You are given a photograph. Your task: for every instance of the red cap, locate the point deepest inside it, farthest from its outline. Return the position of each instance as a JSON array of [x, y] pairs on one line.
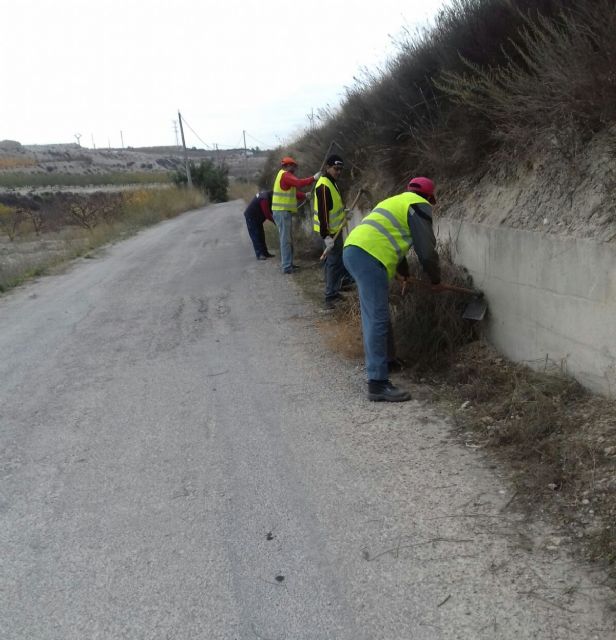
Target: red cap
[[288, 160], [424, 187]]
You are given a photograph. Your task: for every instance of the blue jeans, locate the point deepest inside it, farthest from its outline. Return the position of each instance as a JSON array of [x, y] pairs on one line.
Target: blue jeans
[[284, 222], [334, 269], [372, 282]]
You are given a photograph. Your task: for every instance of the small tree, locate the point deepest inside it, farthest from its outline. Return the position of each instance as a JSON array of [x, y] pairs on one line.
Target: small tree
[[35, 216], [10, 219], [84, 212]]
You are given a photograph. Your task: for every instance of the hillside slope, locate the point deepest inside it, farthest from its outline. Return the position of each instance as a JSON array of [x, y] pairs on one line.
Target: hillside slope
[[73, 159]]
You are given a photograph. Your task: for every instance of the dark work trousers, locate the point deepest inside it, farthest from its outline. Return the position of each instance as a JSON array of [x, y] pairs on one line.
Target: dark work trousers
[[334, 269], [256, 233]]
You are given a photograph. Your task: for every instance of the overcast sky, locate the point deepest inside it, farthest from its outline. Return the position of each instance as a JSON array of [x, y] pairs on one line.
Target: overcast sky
[[105, 66]]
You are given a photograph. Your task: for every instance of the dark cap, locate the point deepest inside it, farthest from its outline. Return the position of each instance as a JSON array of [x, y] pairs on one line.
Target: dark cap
[[334, 161]]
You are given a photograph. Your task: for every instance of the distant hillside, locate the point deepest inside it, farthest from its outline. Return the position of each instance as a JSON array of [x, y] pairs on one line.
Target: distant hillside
[[56, 159]]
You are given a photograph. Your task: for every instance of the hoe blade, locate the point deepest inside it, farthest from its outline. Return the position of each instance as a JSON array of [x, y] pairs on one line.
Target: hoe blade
[[475, 310]]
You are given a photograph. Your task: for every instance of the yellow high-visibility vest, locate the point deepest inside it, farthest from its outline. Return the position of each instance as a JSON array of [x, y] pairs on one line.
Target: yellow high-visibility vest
[[384, 233], [336, 215], [283, 200]]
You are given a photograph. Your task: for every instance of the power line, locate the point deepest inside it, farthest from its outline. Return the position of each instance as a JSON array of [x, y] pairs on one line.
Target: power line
[[258, 141], [196, 134], [216, 147]]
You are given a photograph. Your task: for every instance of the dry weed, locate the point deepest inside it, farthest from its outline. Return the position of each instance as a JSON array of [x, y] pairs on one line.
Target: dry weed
[[240, 190], [559, 438]]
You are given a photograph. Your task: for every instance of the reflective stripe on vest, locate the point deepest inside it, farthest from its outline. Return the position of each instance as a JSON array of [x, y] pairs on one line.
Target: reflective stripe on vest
[[384, 233], [283, 200], [336, 215]]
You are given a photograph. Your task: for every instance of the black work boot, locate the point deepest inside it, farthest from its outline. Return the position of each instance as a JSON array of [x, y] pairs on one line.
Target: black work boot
[[384, 390]]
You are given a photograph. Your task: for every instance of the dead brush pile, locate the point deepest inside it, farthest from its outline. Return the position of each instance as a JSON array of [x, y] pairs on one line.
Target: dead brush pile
[[428, 327]]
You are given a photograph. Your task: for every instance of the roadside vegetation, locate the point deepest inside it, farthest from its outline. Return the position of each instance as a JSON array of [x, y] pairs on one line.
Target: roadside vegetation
[[243, 189], [495, 87], [43, 231], [210, 178], [557, 440], [494, 83], [23, 180]]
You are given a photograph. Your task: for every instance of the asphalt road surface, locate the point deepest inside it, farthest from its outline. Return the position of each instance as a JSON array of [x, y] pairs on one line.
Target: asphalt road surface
[[182, 458]]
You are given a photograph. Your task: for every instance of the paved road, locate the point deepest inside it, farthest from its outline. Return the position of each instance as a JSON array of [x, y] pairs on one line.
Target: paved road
[[181, 459]]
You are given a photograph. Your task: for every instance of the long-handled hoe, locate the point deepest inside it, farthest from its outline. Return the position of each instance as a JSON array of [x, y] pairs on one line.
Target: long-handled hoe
[[346, 222], [475, 309]]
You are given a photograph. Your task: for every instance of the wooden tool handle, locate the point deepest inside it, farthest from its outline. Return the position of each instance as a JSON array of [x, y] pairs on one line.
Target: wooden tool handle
[[447, 287], [346, 222]]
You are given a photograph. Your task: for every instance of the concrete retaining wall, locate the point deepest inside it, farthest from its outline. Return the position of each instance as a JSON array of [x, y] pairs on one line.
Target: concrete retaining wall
[[549, 297]]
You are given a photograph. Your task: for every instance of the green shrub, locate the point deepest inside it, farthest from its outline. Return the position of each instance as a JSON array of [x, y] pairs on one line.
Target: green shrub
[[210, 178]]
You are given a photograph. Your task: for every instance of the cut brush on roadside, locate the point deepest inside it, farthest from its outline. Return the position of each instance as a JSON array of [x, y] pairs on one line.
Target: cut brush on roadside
[[476, 307]]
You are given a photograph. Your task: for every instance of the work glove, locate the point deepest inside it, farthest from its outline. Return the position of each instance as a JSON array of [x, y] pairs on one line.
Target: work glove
[[308, 195], [329, 243], [348, 214], [317, 175]]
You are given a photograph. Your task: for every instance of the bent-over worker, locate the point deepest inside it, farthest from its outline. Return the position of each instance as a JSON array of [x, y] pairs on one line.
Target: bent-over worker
[[257, 212], [374, 253]]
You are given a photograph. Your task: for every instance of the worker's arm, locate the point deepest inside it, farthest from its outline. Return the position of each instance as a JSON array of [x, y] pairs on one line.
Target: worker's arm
[[402, 269], [424, 242], [324, 206], [288, 180], [266, 209]]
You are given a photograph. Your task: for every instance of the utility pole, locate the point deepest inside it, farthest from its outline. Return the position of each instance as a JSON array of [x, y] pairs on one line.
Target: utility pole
[[188, 177], [122, 139], [93, 145], [310, 117], [245, 157], [175, 130], [78, 137]]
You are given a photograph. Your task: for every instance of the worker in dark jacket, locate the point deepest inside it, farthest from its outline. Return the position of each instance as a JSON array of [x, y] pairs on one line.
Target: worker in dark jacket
[[374, 253], [328, 219], [257, 212]]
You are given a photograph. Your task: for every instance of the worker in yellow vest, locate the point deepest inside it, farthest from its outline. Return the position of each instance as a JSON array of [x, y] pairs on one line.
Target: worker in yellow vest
[[284, 205], [329, 216], [374, 253]]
